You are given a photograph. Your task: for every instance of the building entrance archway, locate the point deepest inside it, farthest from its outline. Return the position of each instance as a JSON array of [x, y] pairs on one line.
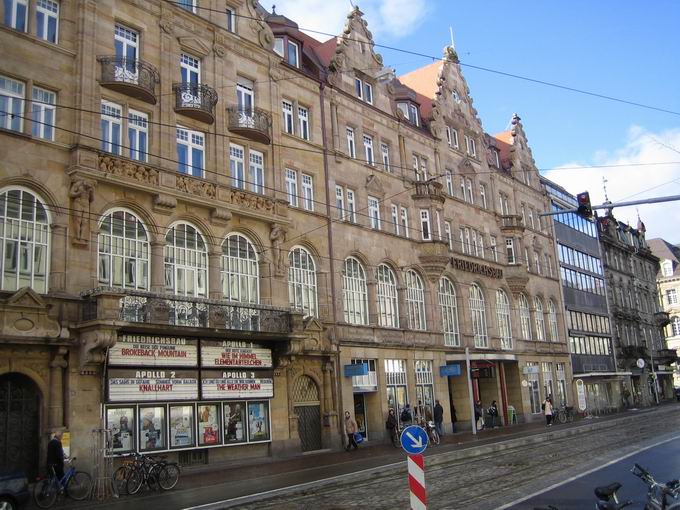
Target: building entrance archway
[[19, 424], [307, 406]]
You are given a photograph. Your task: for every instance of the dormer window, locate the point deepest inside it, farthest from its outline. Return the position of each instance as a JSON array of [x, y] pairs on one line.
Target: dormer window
[[410, 111], [456, 96], [496, 158], [363, 90], [667, 268], [288, 50]]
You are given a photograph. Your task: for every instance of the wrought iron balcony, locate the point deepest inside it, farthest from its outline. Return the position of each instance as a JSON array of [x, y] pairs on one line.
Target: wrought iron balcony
[[669, 354], [132, 77], [252, 123], [148, 308], [195, 100]]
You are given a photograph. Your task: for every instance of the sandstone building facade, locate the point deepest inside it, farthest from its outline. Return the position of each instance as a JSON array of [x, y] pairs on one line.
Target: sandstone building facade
[[219, 233]]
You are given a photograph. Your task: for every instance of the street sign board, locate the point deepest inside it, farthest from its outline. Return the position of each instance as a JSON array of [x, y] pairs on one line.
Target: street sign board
[[356, 369], [414, 439], [452, 370]]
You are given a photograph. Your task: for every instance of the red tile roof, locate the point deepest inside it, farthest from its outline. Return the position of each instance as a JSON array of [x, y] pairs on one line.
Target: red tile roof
[[423, 80], [504, 143]]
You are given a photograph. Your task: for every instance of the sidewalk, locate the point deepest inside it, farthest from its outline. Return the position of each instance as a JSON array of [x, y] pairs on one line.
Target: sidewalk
[[224, 481]]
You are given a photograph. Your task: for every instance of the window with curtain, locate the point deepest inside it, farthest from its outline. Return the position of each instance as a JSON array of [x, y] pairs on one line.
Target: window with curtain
[[449, 310], [240, 270], [123, 249], [302, 282], [355, 292], [24, 241], [388, 308], [186, 261], [478, 315], [503, 315]]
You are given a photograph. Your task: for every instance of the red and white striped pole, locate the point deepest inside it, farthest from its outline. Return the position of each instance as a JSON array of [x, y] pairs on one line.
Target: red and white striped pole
[[416, 482]]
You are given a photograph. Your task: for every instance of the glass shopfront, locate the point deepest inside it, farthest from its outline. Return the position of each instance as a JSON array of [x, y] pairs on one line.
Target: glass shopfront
[[161, 395]]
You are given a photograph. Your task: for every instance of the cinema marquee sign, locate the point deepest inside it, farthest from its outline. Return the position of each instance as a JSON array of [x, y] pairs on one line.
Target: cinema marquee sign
[[234, 354], [474, 267], [153, 351], [151, 385], [237, 384]]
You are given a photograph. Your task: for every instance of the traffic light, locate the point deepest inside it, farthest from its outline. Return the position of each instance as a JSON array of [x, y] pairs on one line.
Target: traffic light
[[584, 209]]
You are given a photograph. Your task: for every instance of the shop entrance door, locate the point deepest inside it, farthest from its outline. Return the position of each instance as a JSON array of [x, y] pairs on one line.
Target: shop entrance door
[[307, 407], [360, 414], [19, 424]]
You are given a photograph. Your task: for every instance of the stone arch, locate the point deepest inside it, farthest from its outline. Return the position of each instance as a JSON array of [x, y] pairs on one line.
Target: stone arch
[[212, 241], [134, 208], [306, 398], [34, 186]]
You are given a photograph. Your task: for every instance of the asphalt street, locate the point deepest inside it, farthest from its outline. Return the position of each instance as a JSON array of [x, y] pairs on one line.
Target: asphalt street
[[662, 461]]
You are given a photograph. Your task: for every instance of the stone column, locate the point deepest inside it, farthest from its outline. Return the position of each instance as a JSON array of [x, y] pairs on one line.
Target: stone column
[[401, 300], [372, 284], [157, 267], [56, 405], [57, 269], [215, 272]]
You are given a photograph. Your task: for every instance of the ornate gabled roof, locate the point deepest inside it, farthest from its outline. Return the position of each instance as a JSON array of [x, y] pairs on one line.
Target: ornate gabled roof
[[356, 32]]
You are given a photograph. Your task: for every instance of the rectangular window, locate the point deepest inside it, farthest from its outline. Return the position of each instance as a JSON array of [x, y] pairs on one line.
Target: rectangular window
[[374, 213], [494, 249], [404, 221], [413, 114], [359, 88], [423, 169], [16, 12], [351, 206], [187, 5], [385, 151], [340, 202], [287, 109], [470, 146], [351, 149], [231, 19], [11, 104], [43, 113], [510, 250], [245, 95], [138, 135], [395, 219], [111, 126], [482, 195], [447, 233], [293, 54], [256, 172], [190, 69], [531, 218], [303, 121], [454, 139], [416, 167], [426, 233], [672, 296], [470, 194], [47, 20], [236, 166], [449, 182], [496, 158], [291, 187], [307, 192], [278, 46], [527, 259], [190, 151], [537, 262], [368, 149], [368, 93]]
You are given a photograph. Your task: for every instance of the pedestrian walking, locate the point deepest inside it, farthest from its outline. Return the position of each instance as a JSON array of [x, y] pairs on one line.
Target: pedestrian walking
[[454, 418], [548, 410], [391, 425], [479, 415], [406, 418], [438, 417], [350, 430], [493, 413], [55, 455]]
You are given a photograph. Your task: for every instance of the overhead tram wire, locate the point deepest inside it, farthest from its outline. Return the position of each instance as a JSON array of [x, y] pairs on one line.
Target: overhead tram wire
[[471, 66], [301, 149]]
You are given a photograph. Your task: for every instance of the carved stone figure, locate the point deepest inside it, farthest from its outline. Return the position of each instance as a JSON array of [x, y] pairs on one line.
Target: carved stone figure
[[277, 236], [81, 193]]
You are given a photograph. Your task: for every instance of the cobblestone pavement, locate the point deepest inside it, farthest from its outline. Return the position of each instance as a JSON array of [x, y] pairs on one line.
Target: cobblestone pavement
[[488, 480]]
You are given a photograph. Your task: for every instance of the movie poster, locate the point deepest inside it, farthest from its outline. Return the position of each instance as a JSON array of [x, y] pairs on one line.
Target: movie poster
[[208, 424], [121, 422], [258, 421], [151, 428], [234, 422], [181, 426]]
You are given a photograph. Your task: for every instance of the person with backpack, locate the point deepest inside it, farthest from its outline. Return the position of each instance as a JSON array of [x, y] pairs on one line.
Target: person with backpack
[[406, 417], [548, 411], [493, 413], [392, 426]]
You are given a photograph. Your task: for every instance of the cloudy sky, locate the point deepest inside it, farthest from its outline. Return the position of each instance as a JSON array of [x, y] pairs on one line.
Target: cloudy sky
[[625, 50]]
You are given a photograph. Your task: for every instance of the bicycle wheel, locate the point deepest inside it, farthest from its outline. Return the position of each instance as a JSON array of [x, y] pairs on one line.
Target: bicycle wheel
[[120, 479], [78, 486], [45, 493], [434, 437], [135, 480], [168, 476], [152, 476]]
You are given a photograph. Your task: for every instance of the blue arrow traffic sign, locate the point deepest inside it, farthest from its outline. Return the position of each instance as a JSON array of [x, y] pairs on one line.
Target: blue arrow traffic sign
[[414, 439]]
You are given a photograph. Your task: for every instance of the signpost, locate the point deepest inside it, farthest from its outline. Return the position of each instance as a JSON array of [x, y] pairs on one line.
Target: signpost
[[414, 442], [581, 394]]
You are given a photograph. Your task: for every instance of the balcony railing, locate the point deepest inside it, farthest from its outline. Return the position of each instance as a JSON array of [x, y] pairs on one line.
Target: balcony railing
[[585, 363], [132, 77], [369, 380], [429, 189], [670, 354], [253, 123], [147, 308], [512, 223], [195, 100]]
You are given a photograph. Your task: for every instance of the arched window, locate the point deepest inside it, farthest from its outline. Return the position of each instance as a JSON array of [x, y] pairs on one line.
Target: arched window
[[449, 309], [503, 315], [540, 323], [415, 301], [388, 308], [355, 292], [675, 324], [525, 317], [302, 282], [123, 247], [478, 316], [552, 320], [240, 271], [186, 261], [24, 241]]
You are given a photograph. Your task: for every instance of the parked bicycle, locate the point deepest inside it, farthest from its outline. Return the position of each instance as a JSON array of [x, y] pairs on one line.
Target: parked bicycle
[[74, 484], [430, 429], [564, 414], [145, 470], [660, 496]]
